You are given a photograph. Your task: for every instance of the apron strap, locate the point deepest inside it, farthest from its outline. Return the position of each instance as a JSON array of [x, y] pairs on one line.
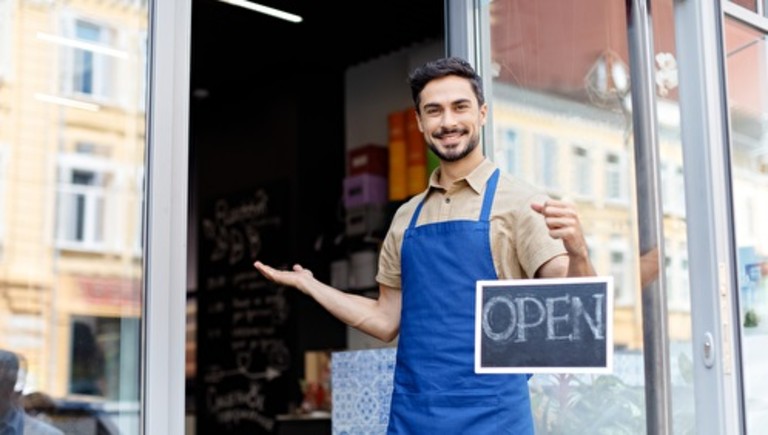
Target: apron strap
[[416, 213], [485, 212], [490, 191]]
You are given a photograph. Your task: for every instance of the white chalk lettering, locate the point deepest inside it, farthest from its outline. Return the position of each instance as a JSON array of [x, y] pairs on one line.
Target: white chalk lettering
[[552, 318], [522, 314], [558, 314], [506, 333]]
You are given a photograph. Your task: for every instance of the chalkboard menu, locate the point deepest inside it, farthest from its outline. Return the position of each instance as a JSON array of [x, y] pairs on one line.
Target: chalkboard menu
[[244, 321], [544, 325]]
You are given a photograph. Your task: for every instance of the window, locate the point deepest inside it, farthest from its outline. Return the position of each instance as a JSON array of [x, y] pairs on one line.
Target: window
[[6, 27], [508, 154], [547, 161], [620, 271], [83, 183], [678, 183], [672, 189], [615, 182], [104, 351], [582, 171], [3, 187], [90, 63]]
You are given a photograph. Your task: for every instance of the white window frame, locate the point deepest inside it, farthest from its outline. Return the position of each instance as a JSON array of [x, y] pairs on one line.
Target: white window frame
[[582, 172], [95, 237], [547, 161], [619, 170], [508, 152], [623, 289], [6, 32], [166, 211], [103, 63]]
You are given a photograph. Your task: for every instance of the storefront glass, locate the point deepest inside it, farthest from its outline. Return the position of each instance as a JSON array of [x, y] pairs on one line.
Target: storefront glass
[[746, 70], [72, 155], [562, 120]]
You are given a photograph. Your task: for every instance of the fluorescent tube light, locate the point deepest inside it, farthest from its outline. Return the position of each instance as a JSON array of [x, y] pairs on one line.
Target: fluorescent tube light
[[76, 43], [68, 102], [265, 10]]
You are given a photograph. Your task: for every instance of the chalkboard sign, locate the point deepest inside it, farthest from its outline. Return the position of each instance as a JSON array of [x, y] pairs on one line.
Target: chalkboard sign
[[544, 326], [243, 353]]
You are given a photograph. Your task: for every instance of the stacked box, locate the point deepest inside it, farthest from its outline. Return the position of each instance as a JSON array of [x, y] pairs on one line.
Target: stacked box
[[367, 219], [368, 159], [364, 189]]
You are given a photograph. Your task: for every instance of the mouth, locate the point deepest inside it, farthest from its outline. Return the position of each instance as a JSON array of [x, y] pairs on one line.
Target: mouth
[[451, 136]]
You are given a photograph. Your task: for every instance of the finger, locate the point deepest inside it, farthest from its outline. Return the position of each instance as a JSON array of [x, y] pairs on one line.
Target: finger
[[265, 270], [558, 211], [538, 208], [299, 268], [560, 222], [563, 233]]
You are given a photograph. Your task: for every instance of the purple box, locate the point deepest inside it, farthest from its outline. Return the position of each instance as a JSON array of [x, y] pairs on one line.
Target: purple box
[[364, 189]]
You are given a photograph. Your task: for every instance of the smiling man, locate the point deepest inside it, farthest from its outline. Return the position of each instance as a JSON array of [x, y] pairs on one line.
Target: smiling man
[[471, 223]]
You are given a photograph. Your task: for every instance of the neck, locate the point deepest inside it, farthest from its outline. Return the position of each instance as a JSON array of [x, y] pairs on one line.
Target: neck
[[452, 171]]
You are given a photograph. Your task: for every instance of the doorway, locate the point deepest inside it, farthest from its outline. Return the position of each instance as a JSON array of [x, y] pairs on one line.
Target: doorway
[[269, 136]]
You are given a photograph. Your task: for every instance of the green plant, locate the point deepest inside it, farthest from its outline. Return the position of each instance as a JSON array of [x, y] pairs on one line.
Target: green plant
[[751, 319], [600, 405]]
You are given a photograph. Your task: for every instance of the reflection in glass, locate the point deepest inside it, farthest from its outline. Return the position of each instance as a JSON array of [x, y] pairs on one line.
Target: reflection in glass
[[72, 147], [746, 69], [561, 84]]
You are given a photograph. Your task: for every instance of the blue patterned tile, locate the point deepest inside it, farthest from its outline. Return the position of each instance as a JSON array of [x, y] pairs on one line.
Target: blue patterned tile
[[361, 388]]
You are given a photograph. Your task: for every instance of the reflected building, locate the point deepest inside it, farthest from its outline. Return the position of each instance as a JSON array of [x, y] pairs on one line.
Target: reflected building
[[72, 150]]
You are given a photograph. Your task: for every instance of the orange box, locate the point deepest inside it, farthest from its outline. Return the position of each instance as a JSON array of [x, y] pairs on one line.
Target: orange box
[[416, 154], [398, 175]]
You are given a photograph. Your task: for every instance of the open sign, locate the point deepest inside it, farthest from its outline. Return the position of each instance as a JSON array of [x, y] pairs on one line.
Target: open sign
[[560, 325]]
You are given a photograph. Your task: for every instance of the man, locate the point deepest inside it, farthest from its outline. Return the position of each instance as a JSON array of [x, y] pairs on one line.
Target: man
[[472, 223], [13, 419]]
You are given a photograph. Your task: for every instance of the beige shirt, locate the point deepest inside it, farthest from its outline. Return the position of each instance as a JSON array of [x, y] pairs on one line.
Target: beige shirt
[[520, 241]]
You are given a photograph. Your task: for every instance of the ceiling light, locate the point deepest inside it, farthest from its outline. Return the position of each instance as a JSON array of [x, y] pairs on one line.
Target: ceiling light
[[266, 10]]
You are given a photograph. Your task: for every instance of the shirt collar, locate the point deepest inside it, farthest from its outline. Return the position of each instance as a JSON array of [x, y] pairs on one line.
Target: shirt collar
[[476, 179]]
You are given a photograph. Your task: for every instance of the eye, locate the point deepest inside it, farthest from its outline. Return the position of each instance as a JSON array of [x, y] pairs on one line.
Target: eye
[[462, 107], [431, 111]]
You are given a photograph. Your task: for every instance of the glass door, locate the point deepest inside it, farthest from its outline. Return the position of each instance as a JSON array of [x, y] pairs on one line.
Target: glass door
[[73, 145], [746, 68], [563, 118]]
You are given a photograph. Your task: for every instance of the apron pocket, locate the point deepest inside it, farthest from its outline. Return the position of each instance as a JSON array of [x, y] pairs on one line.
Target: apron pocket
[[449, 414]]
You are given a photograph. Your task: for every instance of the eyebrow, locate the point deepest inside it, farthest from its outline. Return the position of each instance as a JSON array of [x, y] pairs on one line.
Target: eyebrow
[[452, 103]]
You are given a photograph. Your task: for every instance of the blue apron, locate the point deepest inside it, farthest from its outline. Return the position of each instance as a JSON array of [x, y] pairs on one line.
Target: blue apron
[[436, 390]]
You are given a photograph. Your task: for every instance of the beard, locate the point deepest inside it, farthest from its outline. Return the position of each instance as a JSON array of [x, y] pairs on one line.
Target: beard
[[453, 154]]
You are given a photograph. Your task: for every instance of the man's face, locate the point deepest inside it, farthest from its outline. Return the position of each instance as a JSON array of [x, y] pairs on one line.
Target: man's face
[[450, 117]]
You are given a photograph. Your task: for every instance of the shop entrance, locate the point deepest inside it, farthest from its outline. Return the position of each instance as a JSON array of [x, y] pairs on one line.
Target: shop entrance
[[268, 143]]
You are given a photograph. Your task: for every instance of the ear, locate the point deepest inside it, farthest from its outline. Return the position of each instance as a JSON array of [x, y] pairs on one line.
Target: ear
[[483, 113], [418, 120]]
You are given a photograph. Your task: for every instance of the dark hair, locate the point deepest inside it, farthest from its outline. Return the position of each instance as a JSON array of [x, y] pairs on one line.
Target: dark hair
[[443, 67]]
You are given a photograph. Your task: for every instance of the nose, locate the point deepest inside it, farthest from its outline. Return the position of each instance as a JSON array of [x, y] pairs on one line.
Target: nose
[[449, 119]]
